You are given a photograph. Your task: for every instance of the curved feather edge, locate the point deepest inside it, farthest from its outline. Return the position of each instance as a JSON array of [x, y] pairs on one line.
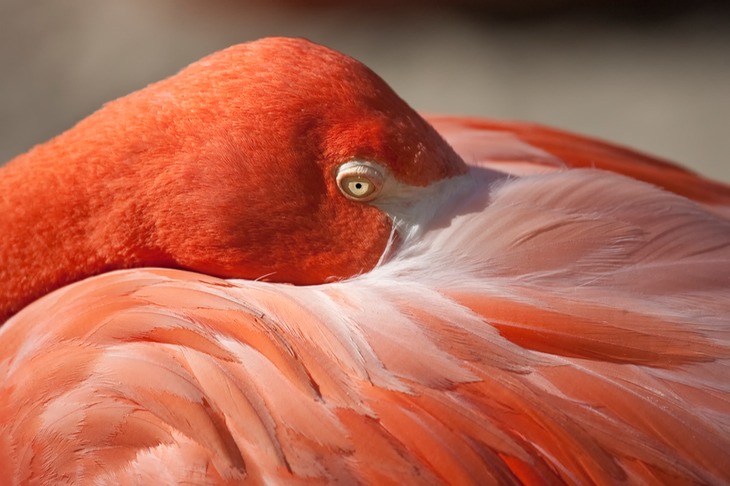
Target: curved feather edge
[[561, 327], [525, 148]]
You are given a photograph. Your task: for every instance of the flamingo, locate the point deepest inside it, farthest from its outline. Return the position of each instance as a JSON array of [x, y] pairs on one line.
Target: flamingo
[[269, 268]]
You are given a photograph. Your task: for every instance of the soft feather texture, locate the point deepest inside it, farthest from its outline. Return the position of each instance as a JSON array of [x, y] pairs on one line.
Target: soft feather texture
[[564, 327], [222, 169], [551, 322], [523, 148]]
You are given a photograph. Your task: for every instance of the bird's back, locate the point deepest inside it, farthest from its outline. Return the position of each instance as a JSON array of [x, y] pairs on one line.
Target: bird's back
[[565, 324]]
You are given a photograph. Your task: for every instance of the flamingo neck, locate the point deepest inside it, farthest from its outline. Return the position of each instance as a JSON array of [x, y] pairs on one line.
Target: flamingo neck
[[53, 203]]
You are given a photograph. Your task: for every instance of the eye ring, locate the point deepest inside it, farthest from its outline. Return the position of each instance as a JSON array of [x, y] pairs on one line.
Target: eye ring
[[360, 180]]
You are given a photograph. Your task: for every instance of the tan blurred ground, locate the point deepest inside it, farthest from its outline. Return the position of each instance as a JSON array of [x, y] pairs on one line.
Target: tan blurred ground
[[660, 83]]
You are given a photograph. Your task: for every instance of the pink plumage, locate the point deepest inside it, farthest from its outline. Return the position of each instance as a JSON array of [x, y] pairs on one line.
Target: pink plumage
[[543, 323]]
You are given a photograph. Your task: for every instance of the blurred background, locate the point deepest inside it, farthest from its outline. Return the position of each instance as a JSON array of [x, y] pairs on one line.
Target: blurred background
[[653, 75]]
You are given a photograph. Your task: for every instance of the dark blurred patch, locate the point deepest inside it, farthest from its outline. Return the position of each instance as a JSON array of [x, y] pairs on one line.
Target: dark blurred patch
[[514, 9]]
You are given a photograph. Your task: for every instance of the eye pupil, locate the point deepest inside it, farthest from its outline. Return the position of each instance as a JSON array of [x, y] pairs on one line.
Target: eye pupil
[[360, 181], [359, 188]]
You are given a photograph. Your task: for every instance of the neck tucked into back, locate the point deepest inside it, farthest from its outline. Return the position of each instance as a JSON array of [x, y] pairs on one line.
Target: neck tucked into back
[[227, 168], [66, 215]]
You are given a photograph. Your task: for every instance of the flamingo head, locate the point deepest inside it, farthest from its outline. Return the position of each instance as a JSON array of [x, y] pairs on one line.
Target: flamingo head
[[278, 159]]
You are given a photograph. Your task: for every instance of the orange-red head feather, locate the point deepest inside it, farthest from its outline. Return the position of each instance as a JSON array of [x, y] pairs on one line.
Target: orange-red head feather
[[228, 168]]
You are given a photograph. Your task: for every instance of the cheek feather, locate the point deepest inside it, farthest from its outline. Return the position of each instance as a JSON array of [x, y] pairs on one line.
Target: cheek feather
[[227, 168], [551, 326]]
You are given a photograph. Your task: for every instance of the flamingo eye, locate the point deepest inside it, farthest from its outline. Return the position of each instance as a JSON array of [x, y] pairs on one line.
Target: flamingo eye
[[360, 181], [357, 187]]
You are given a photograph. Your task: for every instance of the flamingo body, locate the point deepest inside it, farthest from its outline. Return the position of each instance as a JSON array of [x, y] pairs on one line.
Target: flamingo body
[[548, 323]]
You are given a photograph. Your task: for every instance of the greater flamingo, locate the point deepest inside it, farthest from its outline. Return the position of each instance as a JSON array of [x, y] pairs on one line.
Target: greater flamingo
[[541, 308]]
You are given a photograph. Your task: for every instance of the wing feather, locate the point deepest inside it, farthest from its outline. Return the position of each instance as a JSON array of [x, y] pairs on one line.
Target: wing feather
[[525, 148], [566, 326]]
